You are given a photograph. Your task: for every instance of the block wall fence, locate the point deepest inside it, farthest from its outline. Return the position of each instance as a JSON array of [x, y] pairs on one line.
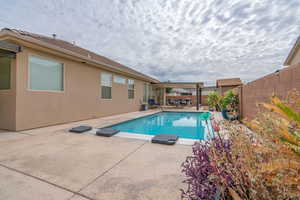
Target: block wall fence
[[260, 90]]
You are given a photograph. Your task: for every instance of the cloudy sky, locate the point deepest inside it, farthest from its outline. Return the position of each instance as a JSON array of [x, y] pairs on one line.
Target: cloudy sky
[[177, 40]]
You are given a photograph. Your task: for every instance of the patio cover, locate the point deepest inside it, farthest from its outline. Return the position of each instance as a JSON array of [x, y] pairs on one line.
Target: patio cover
[[179, 84], [196, 85]]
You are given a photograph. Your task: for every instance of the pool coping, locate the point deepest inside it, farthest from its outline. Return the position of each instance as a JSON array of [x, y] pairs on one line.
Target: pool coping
[[137, 136]]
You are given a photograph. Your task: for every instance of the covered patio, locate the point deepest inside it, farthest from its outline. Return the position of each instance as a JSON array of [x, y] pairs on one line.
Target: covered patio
[[161, 90]]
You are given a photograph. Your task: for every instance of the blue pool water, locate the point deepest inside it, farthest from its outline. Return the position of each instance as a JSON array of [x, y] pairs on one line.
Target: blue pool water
[[190, 125]]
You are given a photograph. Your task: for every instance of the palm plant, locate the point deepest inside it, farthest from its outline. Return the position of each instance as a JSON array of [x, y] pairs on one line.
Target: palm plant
[[279, 129], [231, 100], [213, 100], [285, 124]]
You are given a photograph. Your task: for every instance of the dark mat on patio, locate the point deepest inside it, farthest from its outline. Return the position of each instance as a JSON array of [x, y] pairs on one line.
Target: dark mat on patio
[[165, 139], [107, 132], [80, 129]]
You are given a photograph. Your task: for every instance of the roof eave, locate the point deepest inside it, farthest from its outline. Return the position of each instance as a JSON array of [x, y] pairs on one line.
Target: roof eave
[[292, 52], [8, 35]]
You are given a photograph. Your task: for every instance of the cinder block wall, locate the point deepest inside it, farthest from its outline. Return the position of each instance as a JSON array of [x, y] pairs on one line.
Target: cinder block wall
[[261, 90]]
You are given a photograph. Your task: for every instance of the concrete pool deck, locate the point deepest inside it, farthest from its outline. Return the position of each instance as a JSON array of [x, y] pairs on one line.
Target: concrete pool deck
[[51, 163]]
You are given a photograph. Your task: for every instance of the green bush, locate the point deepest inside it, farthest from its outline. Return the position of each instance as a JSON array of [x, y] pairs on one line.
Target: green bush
[[229, 101], [213, 100], [232, 100]]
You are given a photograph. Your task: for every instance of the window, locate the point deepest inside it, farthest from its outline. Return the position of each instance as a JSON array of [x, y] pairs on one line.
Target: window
[[146, 92], [130, 89], [45, 74], [119, 79], [4, 73], [106, 84]]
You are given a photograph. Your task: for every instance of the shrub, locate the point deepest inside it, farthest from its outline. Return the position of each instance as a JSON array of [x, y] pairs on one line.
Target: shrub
[[213, 100], [197, 169], [231, 100], [275, 155], [264, 164], [210, 171]]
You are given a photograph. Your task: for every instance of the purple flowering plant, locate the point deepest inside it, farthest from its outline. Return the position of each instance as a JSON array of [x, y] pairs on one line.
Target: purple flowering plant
[[214, 172]]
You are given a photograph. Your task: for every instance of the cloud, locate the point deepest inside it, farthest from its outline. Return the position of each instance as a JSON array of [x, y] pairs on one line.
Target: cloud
[[178, 40]]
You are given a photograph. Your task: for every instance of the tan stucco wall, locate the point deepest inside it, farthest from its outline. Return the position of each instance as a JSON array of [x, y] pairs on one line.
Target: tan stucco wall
[[80, 99], [8, 102], [296, 58]]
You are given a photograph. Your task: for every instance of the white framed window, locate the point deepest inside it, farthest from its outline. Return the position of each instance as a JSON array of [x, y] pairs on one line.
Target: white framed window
[[119, 79], [45, 74], [106, 85], [5, 73], [130, 89]]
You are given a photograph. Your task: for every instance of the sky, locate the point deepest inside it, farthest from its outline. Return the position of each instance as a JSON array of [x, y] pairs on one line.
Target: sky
[[171, 40]]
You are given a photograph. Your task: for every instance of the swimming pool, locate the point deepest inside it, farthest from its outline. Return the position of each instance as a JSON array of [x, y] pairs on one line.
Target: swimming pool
[[191, 125]]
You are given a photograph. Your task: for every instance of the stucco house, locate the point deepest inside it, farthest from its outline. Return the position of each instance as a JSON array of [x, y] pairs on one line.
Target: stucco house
[[46, 81], [224, 85], [294, 54]]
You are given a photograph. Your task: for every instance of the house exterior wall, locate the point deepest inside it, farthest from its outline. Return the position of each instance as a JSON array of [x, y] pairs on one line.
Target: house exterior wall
[[296, 58], [260, 90], [8, 102], [81, 98]]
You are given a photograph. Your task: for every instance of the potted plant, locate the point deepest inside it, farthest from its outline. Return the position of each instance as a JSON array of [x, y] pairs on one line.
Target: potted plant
[[229, 103], [223, 103]]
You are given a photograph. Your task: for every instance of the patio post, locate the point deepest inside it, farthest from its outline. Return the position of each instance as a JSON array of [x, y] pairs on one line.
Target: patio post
[[165, 96], [197, 96], [200, 95]]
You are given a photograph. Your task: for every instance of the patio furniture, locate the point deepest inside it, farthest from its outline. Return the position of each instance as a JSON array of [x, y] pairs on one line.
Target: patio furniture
[[80, 129], [178, 104], [107, 132], [165, 139], [152, 103]]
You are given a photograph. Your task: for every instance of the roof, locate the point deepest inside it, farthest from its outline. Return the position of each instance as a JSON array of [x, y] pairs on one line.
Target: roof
[[88, 55], [229, 82], [293, 52]]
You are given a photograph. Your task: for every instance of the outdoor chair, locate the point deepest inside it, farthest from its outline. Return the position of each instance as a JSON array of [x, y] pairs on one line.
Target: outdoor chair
[[152, 103]]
